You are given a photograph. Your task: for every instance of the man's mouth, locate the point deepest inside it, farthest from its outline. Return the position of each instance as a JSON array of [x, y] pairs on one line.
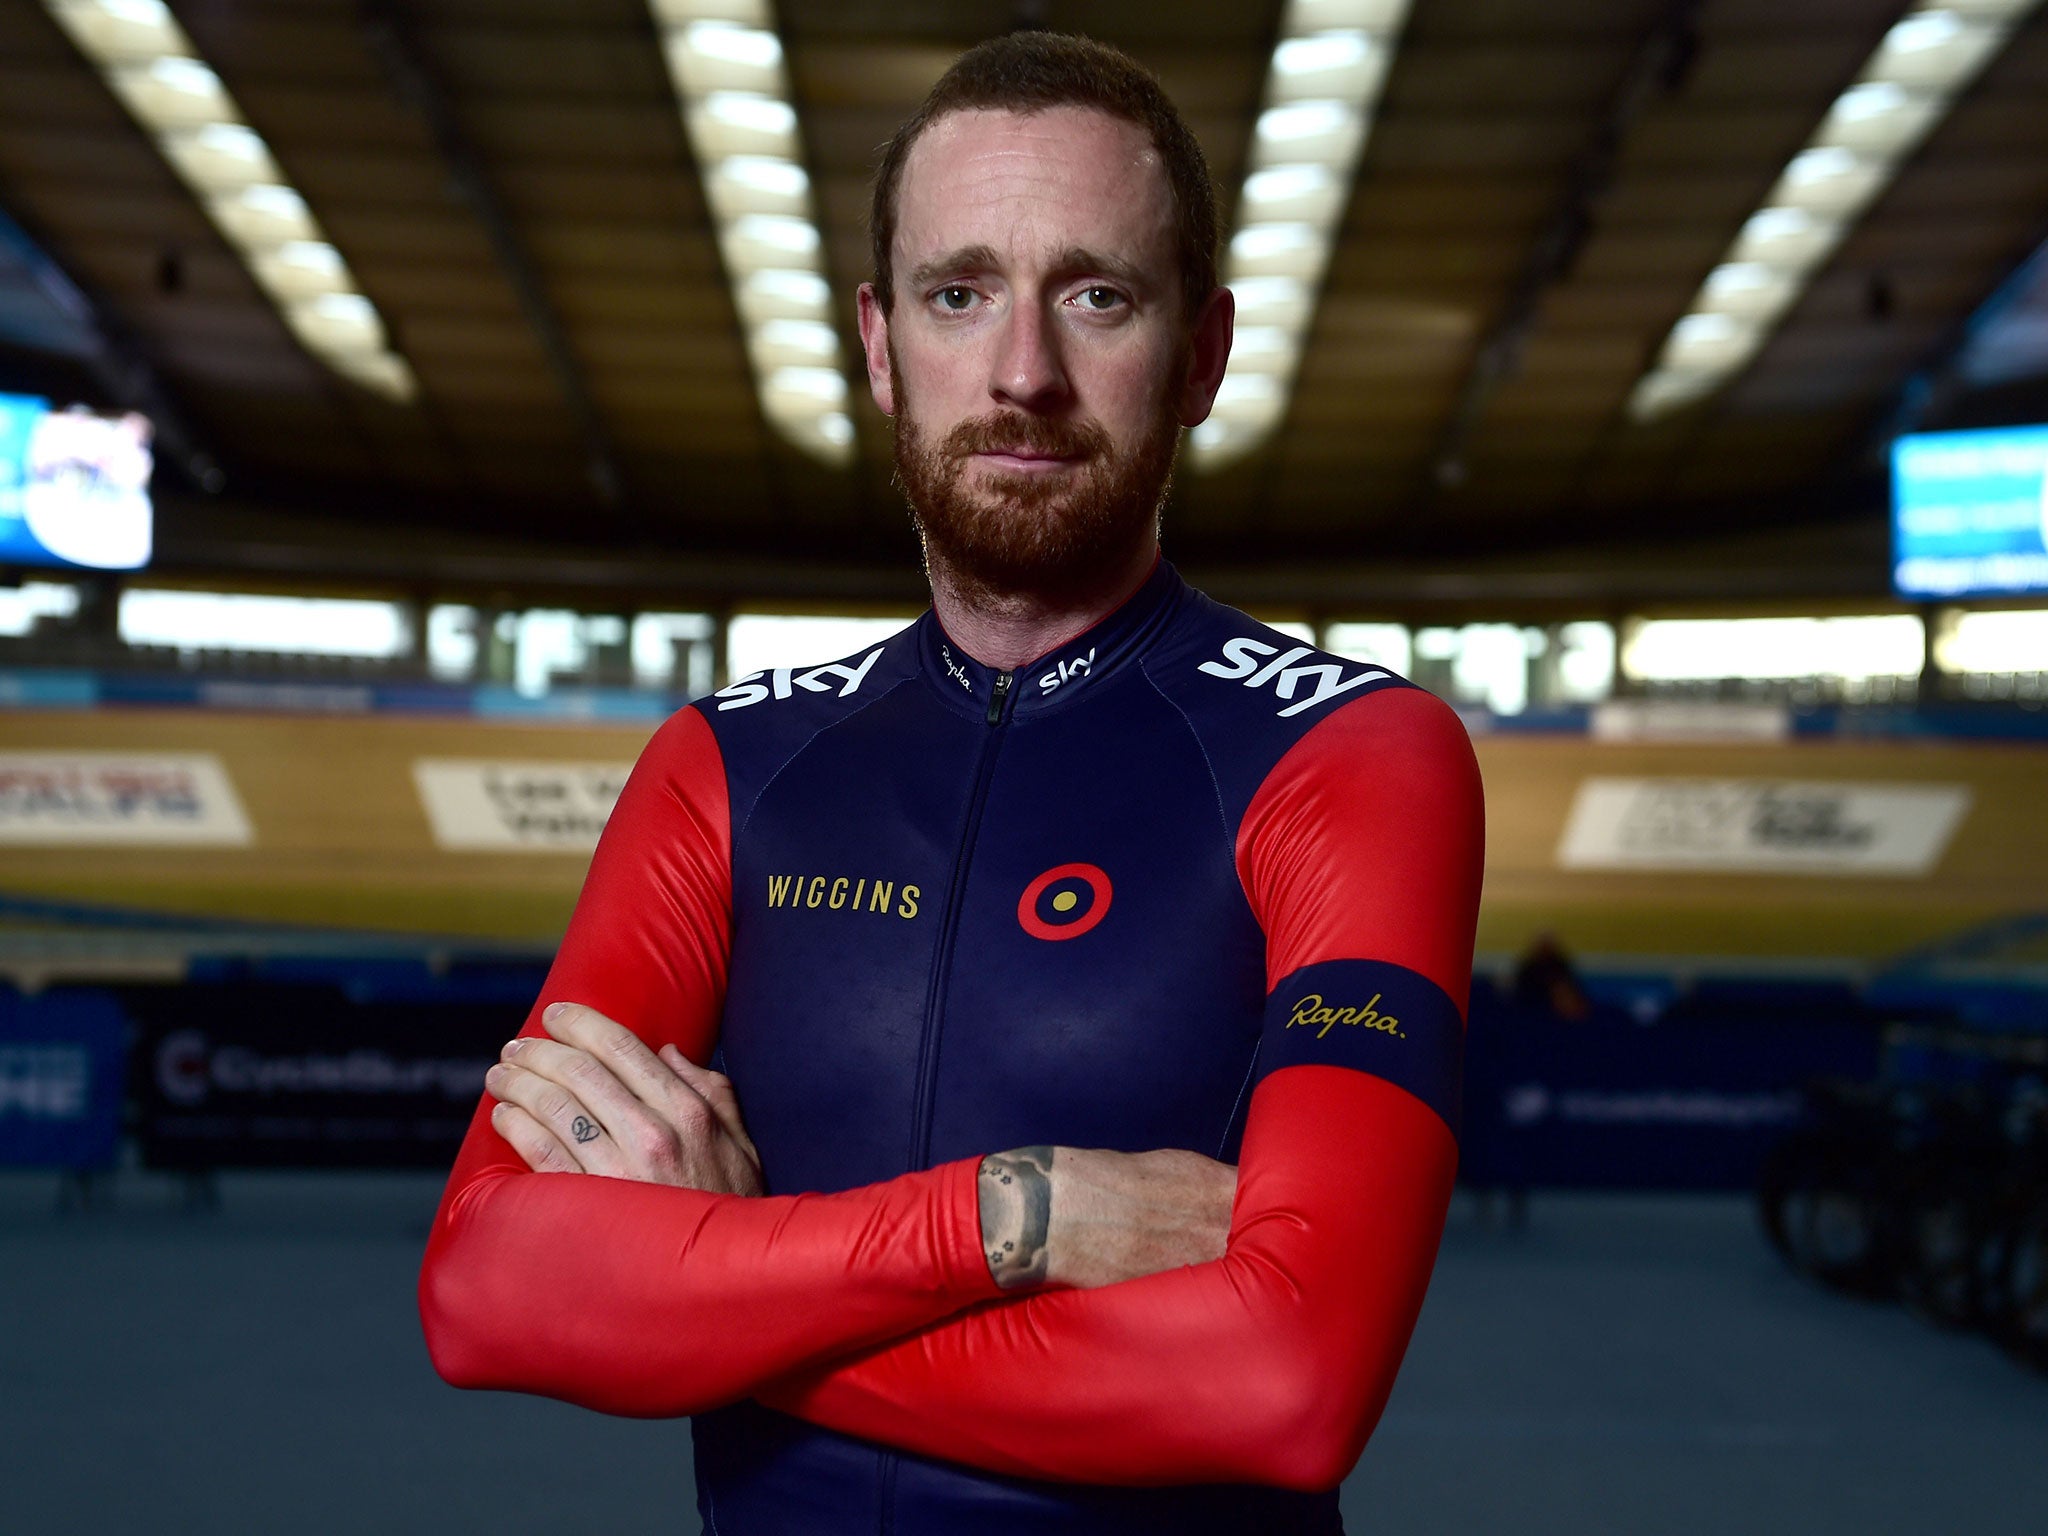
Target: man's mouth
[[1026, 461]]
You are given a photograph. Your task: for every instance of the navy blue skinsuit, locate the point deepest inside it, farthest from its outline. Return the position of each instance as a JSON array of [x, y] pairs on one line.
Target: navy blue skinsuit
[[975, 910]]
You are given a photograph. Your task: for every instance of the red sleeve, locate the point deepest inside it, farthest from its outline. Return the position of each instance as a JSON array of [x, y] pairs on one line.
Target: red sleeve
[[1271, 1365], [645, 1299]]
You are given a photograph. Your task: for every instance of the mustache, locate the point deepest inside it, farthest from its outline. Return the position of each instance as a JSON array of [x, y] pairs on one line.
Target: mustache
[[1009, 432]]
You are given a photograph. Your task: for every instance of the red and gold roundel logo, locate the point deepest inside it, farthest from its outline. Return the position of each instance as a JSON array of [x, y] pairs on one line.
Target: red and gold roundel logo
[[1064, 902]]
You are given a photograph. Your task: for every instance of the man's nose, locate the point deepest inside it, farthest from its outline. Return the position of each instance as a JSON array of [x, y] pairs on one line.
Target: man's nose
[[1028, 370]]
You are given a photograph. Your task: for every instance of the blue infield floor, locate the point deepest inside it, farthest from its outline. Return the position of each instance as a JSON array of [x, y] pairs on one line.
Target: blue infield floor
[[1625, 1364]]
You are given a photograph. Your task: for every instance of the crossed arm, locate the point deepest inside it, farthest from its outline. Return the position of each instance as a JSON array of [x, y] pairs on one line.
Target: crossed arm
[[867, 1312]]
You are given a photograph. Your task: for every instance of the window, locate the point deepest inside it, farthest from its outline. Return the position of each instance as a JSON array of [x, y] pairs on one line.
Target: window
[[758, 642], [238, 621]]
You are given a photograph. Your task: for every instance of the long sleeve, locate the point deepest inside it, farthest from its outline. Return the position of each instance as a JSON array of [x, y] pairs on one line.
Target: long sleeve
[[650, 1300], [1361, 855]]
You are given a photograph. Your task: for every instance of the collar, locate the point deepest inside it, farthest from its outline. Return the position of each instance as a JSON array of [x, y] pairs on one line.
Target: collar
[[1063, 672]]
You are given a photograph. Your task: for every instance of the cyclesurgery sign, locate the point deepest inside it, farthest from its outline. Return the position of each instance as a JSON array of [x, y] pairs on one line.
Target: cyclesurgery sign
[[1761, 826]]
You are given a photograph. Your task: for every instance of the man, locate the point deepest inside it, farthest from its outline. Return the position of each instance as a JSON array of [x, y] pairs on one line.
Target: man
[[1013, 934]]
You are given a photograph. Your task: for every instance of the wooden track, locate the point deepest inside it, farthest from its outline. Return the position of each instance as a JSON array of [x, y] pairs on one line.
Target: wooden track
[[1997, 863], [341, 839]]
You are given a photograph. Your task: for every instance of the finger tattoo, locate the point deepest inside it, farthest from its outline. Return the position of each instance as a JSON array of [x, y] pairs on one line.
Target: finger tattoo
[[583, 1128], [1016, 1213]]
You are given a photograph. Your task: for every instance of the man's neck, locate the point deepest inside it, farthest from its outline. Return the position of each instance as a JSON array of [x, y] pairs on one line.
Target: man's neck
[[1004, 630]]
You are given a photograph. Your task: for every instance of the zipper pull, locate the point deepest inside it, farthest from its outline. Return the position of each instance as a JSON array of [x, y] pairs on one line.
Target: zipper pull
[[996, 695]]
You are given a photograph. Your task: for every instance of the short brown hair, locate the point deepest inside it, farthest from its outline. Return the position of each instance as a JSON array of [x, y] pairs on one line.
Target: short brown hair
[[1034, 71]]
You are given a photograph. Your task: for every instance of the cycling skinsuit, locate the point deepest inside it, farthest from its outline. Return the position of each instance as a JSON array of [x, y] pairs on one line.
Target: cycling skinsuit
[[1185, 882]]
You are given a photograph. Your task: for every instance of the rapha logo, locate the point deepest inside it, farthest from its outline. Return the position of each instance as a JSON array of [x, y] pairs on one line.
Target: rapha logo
[[1247, 660], [954, 670], [1068, 672], [783, 681]]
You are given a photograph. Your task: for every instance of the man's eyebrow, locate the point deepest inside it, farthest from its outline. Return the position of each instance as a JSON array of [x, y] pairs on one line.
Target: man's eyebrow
[[1074, 261], [968, 258], [1078, 261]]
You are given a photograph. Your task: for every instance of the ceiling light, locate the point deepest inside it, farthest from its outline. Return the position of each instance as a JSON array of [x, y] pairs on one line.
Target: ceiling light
[[1815, 165], [760, 114], [753, 46], [782, 178], [148, 62], [1302, 120], [1922, 31], [1284, 183], [1258, 345], [725, 63], [791, 286], [1860, 103], [1321, 52], [1322, 85], [813, 338], [1904, 88]]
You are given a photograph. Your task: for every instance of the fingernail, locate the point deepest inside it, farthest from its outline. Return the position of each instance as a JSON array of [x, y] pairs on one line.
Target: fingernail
[[514, 1047], [552, 1012], [498, 1110]]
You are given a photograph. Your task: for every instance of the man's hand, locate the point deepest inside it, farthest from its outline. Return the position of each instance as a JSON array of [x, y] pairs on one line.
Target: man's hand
[[1073, 1217], [595, 1099]]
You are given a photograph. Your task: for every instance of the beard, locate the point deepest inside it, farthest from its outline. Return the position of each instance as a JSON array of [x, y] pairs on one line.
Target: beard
[[1054, 536]]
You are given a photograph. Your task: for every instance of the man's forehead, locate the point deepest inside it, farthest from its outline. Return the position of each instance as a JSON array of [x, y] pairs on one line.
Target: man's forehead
[[1035, 184]]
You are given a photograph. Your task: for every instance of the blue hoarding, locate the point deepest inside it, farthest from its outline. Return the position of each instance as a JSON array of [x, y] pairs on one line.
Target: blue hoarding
[[62, 1055], [74, 487], [1970, 512]]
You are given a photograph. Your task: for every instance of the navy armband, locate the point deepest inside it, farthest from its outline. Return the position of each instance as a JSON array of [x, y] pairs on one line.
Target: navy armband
[[1374, 1017]]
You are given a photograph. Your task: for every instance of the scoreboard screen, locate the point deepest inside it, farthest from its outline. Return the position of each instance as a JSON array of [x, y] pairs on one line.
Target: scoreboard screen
[[1970, 513], [74, 487]]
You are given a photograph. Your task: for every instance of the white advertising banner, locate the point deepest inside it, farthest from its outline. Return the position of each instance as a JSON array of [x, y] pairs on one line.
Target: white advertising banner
[[182, 799], [1686, 720], [1761, 826], [518, 807]]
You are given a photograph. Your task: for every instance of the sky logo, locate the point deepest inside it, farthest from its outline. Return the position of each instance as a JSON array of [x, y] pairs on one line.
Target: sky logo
[[1257, 664]]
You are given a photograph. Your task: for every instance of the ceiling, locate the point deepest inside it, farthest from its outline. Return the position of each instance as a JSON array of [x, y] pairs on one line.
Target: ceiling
[[1544, 190]]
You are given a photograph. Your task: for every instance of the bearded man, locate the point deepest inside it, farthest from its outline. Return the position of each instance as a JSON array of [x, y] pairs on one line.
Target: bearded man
[[1088, 960]]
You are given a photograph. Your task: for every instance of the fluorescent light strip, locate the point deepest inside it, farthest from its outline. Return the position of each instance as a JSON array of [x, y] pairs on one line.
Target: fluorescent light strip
[[725, 61], [1904, 90], [147, 60], [1321, 89]]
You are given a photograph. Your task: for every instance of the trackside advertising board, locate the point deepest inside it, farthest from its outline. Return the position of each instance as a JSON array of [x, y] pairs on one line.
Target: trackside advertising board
[[1761, 826], [1970, 512], [282, 1076], [511, 807], [118, 799]]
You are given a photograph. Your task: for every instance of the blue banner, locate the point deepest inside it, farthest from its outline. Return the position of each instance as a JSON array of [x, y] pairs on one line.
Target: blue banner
[[1692, 1104], [62, 1055]]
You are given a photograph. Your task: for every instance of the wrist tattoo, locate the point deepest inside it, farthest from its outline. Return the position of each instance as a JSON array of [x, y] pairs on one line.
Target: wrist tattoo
[[1016, 1213], [583, 1128]]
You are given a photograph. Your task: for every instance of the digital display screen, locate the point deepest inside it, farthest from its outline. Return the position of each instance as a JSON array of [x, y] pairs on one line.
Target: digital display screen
[[74, 487], [1970, 512]]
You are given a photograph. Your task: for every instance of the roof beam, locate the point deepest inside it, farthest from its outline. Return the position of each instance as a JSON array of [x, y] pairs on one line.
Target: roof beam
[[396, 48], [1657, 69]]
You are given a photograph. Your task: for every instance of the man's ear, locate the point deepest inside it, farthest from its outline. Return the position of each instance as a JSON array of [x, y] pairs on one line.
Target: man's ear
[[1208, 354], [874, 341]]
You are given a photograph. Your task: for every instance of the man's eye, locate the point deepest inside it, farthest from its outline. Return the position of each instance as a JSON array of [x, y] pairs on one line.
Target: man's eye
[[956, 298], [1100, 298]]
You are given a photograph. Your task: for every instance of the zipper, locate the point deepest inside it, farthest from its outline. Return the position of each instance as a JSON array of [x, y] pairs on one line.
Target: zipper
[[942, 962], [942, 967]]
